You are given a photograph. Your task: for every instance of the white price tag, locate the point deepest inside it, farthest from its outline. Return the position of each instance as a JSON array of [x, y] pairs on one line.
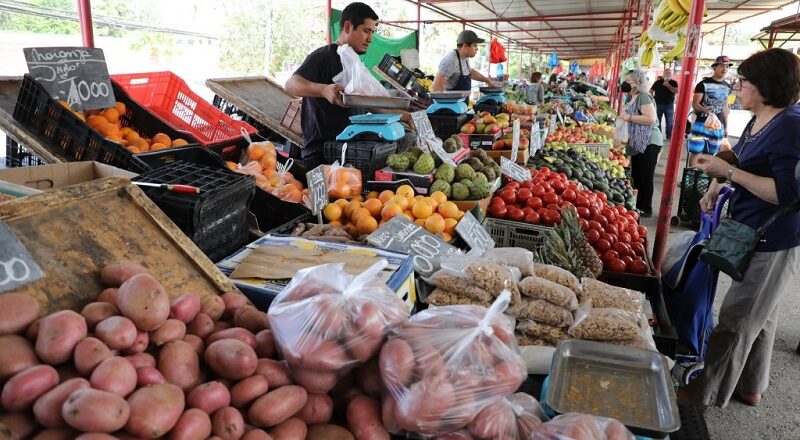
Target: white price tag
[[474, 234], [514, 171], [426, 137], [560, 118], [515, 131]]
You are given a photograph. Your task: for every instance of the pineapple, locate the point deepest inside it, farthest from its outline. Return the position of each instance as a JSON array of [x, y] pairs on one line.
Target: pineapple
[[567, 248]]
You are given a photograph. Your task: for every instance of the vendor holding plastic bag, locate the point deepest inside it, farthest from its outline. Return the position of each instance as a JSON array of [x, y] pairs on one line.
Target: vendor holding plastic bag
[[319, 81]]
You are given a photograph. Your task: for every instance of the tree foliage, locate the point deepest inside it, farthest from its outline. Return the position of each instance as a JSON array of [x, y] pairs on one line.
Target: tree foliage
[[16, 22]]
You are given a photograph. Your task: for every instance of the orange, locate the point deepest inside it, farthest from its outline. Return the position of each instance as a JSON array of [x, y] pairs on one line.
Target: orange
[[450, 225], [390, 210], [231, 165], [116, 139], [121, 107], [419, 197], [372, 195], [358, 213], [111, 114], [336, 223], [385, 196], [447, 237], [351, 208], [141, 144], [459, 214], [408, 215], [435, 224], [332, 212], [125, 130], [255, 151], [108, 129], [448, 210], [156, 146], [179, 142], [400, 200], [420, 222], [434, 203], [422, 209], [340, 190], [352, 229], [439, 196], [405, 190], [341, 202], [366, 225], [134, 150], [131, 136], [359, 197], [161, 138], [374, 206]]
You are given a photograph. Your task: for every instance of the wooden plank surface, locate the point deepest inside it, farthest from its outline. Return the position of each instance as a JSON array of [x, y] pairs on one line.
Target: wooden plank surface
[[74, 231], [259, 97], [9, 90]]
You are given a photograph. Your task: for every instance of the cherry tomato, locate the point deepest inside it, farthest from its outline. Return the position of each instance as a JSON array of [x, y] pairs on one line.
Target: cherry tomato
[[583, 212], [610, 255], [592, 236], [602, 245], [638, 248], [617, 265], [569, 195], [638, 266]]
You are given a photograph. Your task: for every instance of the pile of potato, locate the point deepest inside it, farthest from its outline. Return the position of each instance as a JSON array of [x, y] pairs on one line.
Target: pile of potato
[[134, 364]]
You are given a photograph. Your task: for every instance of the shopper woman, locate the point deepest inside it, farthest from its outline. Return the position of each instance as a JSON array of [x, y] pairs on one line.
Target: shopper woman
[[737, 362], [644, 138], [534, 94]]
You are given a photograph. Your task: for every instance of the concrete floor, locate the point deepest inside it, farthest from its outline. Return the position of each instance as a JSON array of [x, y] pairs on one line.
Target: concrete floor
[[778, 415]]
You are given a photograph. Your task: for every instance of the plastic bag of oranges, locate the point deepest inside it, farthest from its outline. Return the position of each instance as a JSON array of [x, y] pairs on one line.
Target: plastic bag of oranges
[[261, 161], [343, 181]]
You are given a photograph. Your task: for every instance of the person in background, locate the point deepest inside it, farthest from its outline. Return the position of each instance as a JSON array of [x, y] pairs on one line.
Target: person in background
[[664, 90], [711, 94], [534, 94], [644, 138], [737, 363], [552, 83], [454, 72]]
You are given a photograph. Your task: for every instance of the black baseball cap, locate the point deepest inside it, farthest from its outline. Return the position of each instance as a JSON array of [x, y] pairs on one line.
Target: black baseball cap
[[722, 59], [469, 37]]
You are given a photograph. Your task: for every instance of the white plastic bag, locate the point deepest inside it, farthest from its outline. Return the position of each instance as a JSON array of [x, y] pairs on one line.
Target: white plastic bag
[[354, 77], [621, 131], [512, 418], [574, 426], [444, 365], [327, 322]]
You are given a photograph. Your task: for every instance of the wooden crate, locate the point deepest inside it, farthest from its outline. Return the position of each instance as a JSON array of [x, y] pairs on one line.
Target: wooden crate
[[74, 231]]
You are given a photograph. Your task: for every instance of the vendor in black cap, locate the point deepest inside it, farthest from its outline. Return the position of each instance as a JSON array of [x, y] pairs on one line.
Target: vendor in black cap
[[454, 71], [711, 94]]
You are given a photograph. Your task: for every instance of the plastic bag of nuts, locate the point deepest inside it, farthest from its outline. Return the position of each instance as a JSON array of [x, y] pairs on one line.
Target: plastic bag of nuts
[[554, 293], [604, 324], [542, 331], [525, 340], [604, 295], [557, 275], [520, 258], [448, 281], [441, 297], [542, 311]]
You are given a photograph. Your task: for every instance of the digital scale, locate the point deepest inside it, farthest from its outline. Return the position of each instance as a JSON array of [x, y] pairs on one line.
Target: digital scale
[[385, 126], [491, 96], [451, 102]]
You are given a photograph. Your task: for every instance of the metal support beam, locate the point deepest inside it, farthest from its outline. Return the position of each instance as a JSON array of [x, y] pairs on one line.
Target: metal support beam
[[328, 24], [724, 36], [87, 30]]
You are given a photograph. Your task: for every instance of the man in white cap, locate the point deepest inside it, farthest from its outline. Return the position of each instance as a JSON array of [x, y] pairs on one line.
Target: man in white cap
[[711, 94], [454, 71]]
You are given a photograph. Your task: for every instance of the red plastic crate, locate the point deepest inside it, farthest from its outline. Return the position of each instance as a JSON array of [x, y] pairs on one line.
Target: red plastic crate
[[171, 99]]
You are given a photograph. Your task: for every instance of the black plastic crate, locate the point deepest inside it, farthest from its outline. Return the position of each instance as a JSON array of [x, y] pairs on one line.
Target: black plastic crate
[[216, 219], [367, 156], [18, 156], [197, 155], [280, 142], [664, 334], [446, 125], [491, 108], [694, 185], [392, 68]]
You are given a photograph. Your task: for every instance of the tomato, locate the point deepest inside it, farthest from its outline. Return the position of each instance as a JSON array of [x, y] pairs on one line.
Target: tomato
[[553, 206], [496, 200], [523, 194], [584, 224], [498, 211], [609, 213], [581, 200], [512, 185], [628, 261], [602, 245], [583, 212], [526, 184], [592, 236], [515, 214], [549, 198], [544, 170], [622, 248], [573, 186], [642, 231], [558, 186], [610, 255], [611, 229], [608, 237], [602, 196], [534, 202], [599, 219], [617, 265], [562, 176], [638, 248], [624, 237], [549, 218], [620, 209], [556, 217], [532, 217], [509, 196], [596, 226], [569, 195], [638, 266], [547, 187], [538, 190], [633, 214], [527, 210], [593, 211]]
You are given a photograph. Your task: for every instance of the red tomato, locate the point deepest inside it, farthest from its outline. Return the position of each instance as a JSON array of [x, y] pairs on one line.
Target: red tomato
[[620, 209], [593, 211], [498, 211], [602, 196], [549, 198], [558, 186], [513, 185], [515, 214], [608, 237], [544, 170], [602, 245], [628, 261], [581, 200], [553, 206], [509, 196], [526, 184], [534, 202], [549, 218], [610, 255], [523, 194], [607, 212], [642, 231], [599, 219], [562, 176], [496, 200], [633, 214], [622, 248], [538, 190], [638, 248], [596, 226], [584, 224], [573, 186], [533, 218], [631, 229], [556, 217], [569, 195], [617, 265], [583, 212], [527, 210], [612, 229], [638, 266], [624, 237], [592, 236], [547, 187]]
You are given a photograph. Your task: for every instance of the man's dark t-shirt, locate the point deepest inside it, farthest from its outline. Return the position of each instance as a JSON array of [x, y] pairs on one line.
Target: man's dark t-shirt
[[321, 120], [663, 95], [715, 95]]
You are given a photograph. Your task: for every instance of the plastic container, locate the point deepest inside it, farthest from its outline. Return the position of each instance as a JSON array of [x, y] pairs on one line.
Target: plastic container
[[491, 108], [216, 219], [446, 125], [171, 99], [508, 233], [18, 156], [367, 156], [392, 68]]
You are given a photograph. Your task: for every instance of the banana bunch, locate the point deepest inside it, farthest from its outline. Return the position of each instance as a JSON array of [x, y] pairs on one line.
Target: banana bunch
[[647, 57], [676, 51], [645, 40], [675, 14]]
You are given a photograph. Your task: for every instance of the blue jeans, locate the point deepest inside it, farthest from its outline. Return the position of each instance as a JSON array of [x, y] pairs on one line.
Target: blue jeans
[[668, 111]]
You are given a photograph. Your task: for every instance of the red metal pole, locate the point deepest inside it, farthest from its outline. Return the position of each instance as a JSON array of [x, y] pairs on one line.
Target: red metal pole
[[330, 32], [627, 46], [724, 37], [419, 21], [85, 14], [676, 144]]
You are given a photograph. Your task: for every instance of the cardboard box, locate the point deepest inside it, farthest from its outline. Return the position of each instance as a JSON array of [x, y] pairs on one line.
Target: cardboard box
[[522, 155], [467, 205], [46, 177], [474, 141]]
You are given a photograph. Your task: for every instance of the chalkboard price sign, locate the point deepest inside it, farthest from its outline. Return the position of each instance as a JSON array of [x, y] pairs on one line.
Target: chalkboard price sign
[[17, 267], [77, 75], [474, 234], [401, 235], [426, 136], [513, 170], [318, 190]]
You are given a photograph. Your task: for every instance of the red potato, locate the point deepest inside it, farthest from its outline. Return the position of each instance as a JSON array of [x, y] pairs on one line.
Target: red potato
[[17, 312], [363, 347], [109, 296], [95, 436], [227, 423], [155, 409], [318, 409], [47, 408], [389, 414], [185, 307], [16, 426], [148, 376], [250, 318], [231, 359], [58, 335], [56, 434], [144, 301], [196, 342], [277, 406], [115, 375], [89, 353], [209, 397], [118, 332], [140, 344], [67, 372], [25, 387], [32, 333], [328, 432], [314, 353], [233, 300], [222, 325], [115, 274], [239, 333], [319, 382], [256, 434], [265, 344], [364, 419], [91, 410], [202, 325], [171, 330], [276, 372], [213, 306], [426, 403], [397, 363], [291, 429], [180, 365], [368, 377], [95, 312], [140, 360], [248, 390], [16, 354], [495, 421], [194, 424]]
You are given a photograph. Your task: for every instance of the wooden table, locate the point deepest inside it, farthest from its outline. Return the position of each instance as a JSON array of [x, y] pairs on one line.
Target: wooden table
[[9, 90]]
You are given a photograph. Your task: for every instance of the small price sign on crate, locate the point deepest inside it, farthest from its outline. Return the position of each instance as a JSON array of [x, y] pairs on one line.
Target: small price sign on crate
[[474, 234], [318, 190], [400, 234], [426, 136], [514, 171]]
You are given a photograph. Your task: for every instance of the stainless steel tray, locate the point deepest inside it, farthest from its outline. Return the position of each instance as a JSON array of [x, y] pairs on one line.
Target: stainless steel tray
[[452, 94], [397, 100], [490, 89], [628, 384]]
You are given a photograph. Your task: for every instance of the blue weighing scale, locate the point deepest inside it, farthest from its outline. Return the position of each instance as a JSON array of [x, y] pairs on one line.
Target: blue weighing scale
[[492, 95], [451, 102], [385, 126]]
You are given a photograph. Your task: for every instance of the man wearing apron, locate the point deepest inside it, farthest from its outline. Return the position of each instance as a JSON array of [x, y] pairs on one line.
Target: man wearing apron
[[454, 71]]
